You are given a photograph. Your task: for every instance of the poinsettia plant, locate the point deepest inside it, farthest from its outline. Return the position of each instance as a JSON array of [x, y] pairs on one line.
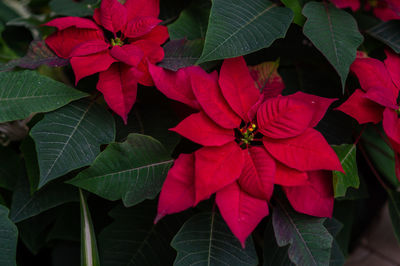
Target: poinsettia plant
[[176, 132]]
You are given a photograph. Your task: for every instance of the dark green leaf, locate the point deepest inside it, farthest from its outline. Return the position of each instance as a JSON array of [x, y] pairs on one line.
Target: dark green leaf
[[388, 32], [295, 6], [337, 257], [273, 254], [38, 54], [310, 242], [31, 163], [192, 23], [239, 27], [394, 211], [67, 225], [26, 92], [8, 239], [70, 138], [347, 157], [335, 33], [24, 205], [133, 238], [9, 168], [89, 253], [181, 53], [205, 239], [132, 171], [380, 153], [73, 8]]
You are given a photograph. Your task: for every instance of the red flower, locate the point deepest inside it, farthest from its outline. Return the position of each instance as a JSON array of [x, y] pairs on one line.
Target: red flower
[[377, 101], [383, 9], [119, 44], [233, 162]]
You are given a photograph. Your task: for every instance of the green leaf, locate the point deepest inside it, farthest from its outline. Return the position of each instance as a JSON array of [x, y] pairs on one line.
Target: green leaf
[[181, 53], [67, 225], [334, 227], [310, 242], [239, 27], [133, 238], [205, 239], [380, 153], [89, 253], [295, 6], [70, 138], [192, 23], [347, 157], [272, 253], [26, 92], [388, 33], [132, 171], [334, 32], [24, 205], [9, 167], [394, 211], [8, 239], [28, 150], [73, 8]]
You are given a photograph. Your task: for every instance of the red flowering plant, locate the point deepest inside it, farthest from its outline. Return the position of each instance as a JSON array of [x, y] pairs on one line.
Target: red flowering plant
[[251, 141], [183, 132], [119, 43]]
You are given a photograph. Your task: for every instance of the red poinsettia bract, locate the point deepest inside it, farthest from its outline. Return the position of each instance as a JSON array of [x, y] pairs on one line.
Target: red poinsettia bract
[[119, 44], [251, 141], [383, 9], [377, 98]]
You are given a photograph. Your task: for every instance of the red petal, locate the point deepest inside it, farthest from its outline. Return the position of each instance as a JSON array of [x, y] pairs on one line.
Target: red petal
[[387, 10], [128, 54], [283, 117], [88, 65], [258, 174], [177, 193], [287, 176], [140, 26], [158, 35], [112, 15], [175, 85], [361, 108], [382, 96], [202, 130], [62, 42], [237, 86], [89, 47], [353, 4], [306, 152], [216, 167], [142, 8], [152, 51], [392, 63], [208, 94], [119, 87], [319, 105], [315, 199], [240, 211], [372, 73], [77, 22]]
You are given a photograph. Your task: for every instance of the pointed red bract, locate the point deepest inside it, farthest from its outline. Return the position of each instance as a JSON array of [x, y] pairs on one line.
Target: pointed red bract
[[128, 54], [392, 63], [258, 174], [237, 86], [314, 199], [216, 167], [306, 152], [142, 8], [175, 85], [119, 87], [240, 211], [286, 176], [89, 47], [361, 108], [202, 130], [158, 35], [283, 117], [208, 94], [140, 26], [112, 15], [387, 10], [178, 192]]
